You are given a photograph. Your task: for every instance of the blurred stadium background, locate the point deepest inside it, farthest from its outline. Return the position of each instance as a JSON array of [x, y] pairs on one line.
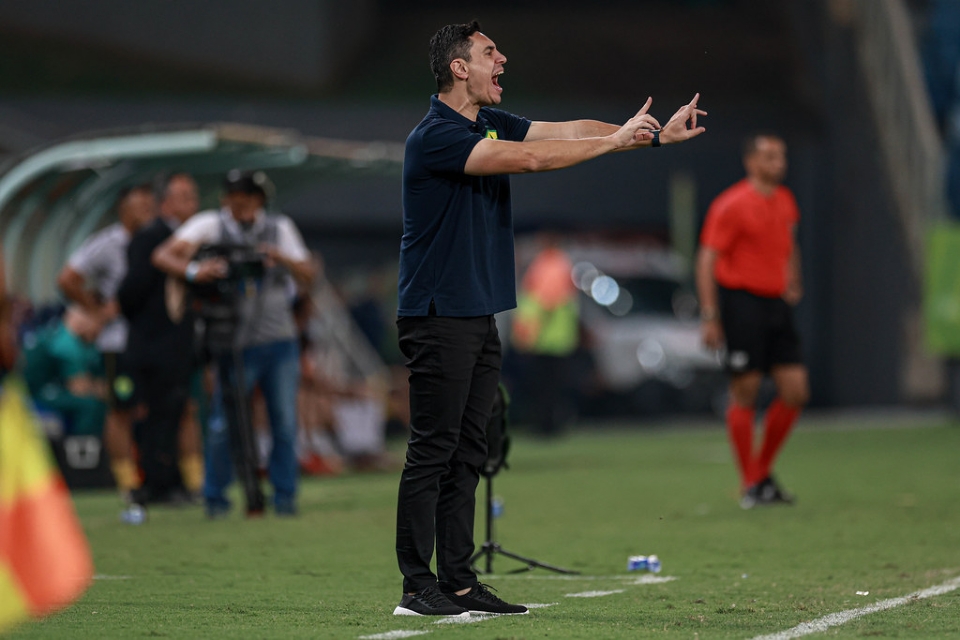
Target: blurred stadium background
[[844, 81]]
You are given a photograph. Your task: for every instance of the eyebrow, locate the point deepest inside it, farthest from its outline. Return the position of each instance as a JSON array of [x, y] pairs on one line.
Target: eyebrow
[[489, 48]]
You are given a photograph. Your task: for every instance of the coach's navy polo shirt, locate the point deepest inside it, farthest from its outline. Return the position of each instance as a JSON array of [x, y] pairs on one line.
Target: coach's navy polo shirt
[[457, 247]]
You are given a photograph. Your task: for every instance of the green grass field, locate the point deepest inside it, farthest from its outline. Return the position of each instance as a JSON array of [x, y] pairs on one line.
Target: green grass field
[[877, 518]]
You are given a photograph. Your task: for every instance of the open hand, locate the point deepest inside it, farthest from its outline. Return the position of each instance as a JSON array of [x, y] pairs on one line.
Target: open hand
[[677, 128], [212, 269]]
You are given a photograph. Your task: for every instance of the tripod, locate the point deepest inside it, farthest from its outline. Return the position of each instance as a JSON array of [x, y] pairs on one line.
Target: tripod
[[490, 547], [242, 444], [219, 340], [497, 446]]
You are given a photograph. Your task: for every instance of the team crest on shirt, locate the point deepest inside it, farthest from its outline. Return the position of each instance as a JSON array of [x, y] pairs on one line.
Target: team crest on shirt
[[492, 134]]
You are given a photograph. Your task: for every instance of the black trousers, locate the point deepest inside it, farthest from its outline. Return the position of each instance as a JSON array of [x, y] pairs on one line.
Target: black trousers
[[454, 366], [163, 388]]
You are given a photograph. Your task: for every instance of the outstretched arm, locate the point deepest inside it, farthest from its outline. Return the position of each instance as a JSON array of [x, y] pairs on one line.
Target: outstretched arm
[[570, 130], [549, 146]]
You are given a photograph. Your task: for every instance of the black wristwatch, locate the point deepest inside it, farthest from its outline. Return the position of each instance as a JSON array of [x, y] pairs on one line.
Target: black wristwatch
[[656, 137]]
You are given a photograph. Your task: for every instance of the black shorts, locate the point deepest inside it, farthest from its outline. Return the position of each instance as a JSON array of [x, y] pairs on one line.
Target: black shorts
[[121, 390], [759, 331]]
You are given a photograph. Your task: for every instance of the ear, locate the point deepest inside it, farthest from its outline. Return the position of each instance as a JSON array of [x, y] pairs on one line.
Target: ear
[[459, 68]]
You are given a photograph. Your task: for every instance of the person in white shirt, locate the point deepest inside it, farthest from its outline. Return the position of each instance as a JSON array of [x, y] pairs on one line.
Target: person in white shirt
[[266, 335]]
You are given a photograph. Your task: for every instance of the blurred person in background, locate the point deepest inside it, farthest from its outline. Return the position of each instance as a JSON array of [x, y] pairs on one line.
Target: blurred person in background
[[343, 410], [63, 370], [90, 278], [545, 335], [316, 439], [456, 271], [161, 356], [748, 280], [267, 333]]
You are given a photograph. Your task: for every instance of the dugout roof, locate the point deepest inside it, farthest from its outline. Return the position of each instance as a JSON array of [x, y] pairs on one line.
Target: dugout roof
[[53, 197]]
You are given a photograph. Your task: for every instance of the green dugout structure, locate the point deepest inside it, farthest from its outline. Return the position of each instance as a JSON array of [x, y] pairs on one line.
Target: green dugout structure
[[53, 197]]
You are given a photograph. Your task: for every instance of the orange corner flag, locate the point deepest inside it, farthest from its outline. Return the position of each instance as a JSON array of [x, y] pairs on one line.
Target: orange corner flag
[[45, 561]]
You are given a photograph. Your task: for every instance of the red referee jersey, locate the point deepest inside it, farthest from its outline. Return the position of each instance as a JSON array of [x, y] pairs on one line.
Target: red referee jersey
[[753, 237]]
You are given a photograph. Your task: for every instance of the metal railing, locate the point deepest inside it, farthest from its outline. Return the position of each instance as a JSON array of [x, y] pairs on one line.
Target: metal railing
[[911, 144], [912, 155]]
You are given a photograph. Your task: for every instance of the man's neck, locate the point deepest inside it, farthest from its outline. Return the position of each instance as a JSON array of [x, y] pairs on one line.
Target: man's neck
[[766, 188], [171, 221], [460, 102]]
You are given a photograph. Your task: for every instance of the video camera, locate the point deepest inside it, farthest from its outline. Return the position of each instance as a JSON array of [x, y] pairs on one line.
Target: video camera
[[243, 261], [218, 302]]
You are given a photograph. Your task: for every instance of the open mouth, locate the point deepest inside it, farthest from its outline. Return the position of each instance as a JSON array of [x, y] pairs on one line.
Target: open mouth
[[496, 80]]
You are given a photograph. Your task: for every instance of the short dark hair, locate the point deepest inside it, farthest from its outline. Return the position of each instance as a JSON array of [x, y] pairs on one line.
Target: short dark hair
[[126, 192], [129, 190], [751, 142], [133, 188], [249, 182], [162, 182], [446, 45]]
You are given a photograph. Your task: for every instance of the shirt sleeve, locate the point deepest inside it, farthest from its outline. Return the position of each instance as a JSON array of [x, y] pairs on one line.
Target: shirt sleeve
[[86, 260], [509, 126], [446, 146], [719, 229], [202, 228], [289, 240]]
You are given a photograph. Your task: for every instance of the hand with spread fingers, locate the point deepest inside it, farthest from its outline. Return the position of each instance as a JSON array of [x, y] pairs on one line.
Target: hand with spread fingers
[[677, 128]]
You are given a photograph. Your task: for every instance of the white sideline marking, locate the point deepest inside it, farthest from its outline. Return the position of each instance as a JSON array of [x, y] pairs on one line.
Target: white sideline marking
[[593, 594], [530, 576], [101, 576], [470, 619], [648, 579], [390, 635], [480, 617], [633, 577], [842, 617], [463, 619]]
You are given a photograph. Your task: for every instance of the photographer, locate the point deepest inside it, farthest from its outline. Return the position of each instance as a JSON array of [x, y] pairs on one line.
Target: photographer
[[265, 334]]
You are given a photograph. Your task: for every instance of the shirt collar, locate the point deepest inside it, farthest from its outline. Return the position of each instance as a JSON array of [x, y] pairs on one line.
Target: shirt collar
[[446, 111], [258, 222]]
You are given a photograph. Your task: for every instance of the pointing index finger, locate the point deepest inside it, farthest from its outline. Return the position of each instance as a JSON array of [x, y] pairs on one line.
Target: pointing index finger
[[645, 107]]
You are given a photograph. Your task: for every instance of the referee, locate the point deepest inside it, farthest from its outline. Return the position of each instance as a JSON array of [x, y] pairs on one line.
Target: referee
[[748, 280]]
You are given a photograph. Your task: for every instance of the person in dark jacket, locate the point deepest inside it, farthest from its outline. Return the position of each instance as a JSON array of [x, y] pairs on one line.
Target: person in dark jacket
[[161, 351]]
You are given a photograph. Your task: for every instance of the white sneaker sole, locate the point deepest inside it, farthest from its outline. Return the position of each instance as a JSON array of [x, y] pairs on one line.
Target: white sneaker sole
[[403, 611]]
